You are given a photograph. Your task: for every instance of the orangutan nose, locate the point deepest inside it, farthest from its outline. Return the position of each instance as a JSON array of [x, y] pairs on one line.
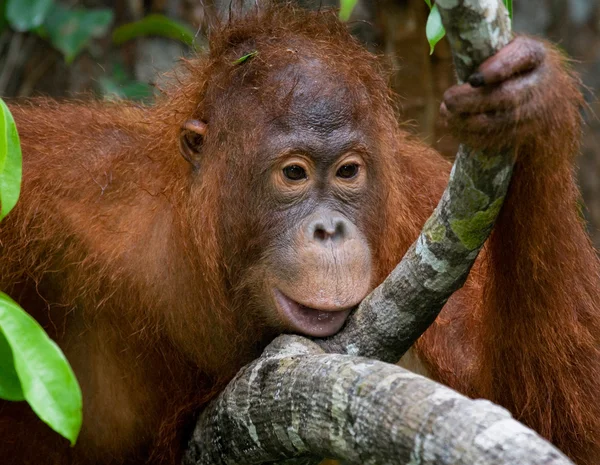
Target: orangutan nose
[[327, 226]]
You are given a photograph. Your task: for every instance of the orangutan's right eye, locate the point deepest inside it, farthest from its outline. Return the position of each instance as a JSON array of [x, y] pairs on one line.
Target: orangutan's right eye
[[294, 172]]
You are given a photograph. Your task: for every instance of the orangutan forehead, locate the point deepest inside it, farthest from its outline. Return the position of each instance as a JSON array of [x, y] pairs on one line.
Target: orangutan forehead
[[313, 93]]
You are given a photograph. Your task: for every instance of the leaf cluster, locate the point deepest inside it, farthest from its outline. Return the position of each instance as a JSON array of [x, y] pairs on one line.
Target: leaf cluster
[[72, 30], [69, 30]]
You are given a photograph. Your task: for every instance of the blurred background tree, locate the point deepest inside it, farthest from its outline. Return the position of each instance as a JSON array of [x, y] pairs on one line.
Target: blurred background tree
[[119, 49]]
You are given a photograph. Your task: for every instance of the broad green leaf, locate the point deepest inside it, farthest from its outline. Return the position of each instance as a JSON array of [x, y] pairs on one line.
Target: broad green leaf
[[154, 25], [434, 29], [10, 162], [346, 8], [10, 386], [48, 383], [509, 6], [70, 31], [24, 15]]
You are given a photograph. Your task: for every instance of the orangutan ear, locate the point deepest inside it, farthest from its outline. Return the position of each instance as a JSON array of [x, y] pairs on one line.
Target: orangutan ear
[[190, 140]]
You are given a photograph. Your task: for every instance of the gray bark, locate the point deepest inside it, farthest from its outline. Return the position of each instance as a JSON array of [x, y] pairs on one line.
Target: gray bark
[[296, 403]]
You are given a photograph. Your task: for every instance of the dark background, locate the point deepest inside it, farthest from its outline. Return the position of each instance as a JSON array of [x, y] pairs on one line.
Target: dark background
[[30, 66]]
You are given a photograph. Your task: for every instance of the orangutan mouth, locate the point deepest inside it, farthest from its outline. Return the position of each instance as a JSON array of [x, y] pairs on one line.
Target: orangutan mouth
[[310, 321]]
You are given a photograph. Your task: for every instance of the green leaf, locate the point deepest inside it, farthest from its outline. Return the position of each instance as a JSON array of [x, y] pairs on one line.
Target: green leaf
[[10, 386], [70, 31], [509, 6], [428, 3], [48, 383], [10, 162], [154, 25], [24, 15], [434, 29], [346, 8], [245, 57]]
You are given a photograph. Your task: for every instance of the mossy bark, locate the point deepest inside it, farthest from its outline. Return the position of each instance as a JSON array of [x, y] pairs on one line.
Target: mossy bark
[[297, 404]]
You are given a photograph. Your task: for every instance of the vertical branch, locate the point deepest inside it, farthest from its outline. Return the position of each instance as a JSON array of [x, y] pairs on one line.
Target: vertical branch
[[476, 30], [397, 312]]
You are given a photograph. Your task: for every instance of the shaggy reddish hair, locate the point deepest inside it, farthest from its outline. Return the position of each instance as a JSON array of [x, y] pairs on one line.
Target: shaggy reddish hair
[[122, 261]]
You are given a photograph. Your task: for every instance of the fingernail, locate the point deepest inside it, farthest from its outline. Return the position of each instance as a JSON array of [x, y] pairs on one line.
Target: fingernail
[[476, 80]]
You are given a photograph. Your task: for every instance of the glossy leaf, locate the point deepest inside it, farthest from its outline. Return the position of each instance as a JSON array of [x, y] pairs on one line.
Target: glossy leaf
[[154, 25], [346, 8], [71, 30], [24, 15], [47, 381], [10, 386], [434, 29], [10, 162]]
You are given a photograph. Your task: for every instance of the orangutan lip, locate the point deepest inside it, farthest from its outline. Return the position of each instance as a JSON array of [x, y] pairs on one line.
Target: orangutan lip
[[310, 321]]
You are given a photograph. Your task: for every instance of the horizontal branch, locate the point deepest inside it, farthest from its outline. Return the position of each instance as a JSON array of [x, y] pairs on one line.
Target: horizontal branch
[[296, 402]]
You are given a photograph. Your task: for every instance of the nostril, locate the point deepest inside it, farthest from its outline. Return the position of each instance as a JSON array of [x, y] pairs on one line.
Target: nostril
[[334, 230], [340, 230], [320, 234], [322, 231]]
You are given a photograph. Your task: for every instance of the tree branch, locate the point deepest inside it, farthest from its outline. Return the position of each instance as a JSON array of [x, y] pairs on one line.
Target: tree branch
[[395, 314], [296, 402]]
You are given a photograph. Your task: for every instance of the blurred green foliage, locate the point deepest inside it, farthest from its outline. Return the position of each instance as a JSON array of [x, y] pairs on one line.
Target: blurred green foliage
[[69, 30], [346, 8], [25, 15], [120, 86], [154, 25]]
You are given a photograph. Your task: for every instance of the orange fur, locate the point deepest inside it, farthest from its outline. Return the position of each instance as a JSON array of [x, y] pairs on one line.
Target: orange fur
[[525, 333], [122, 255]]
